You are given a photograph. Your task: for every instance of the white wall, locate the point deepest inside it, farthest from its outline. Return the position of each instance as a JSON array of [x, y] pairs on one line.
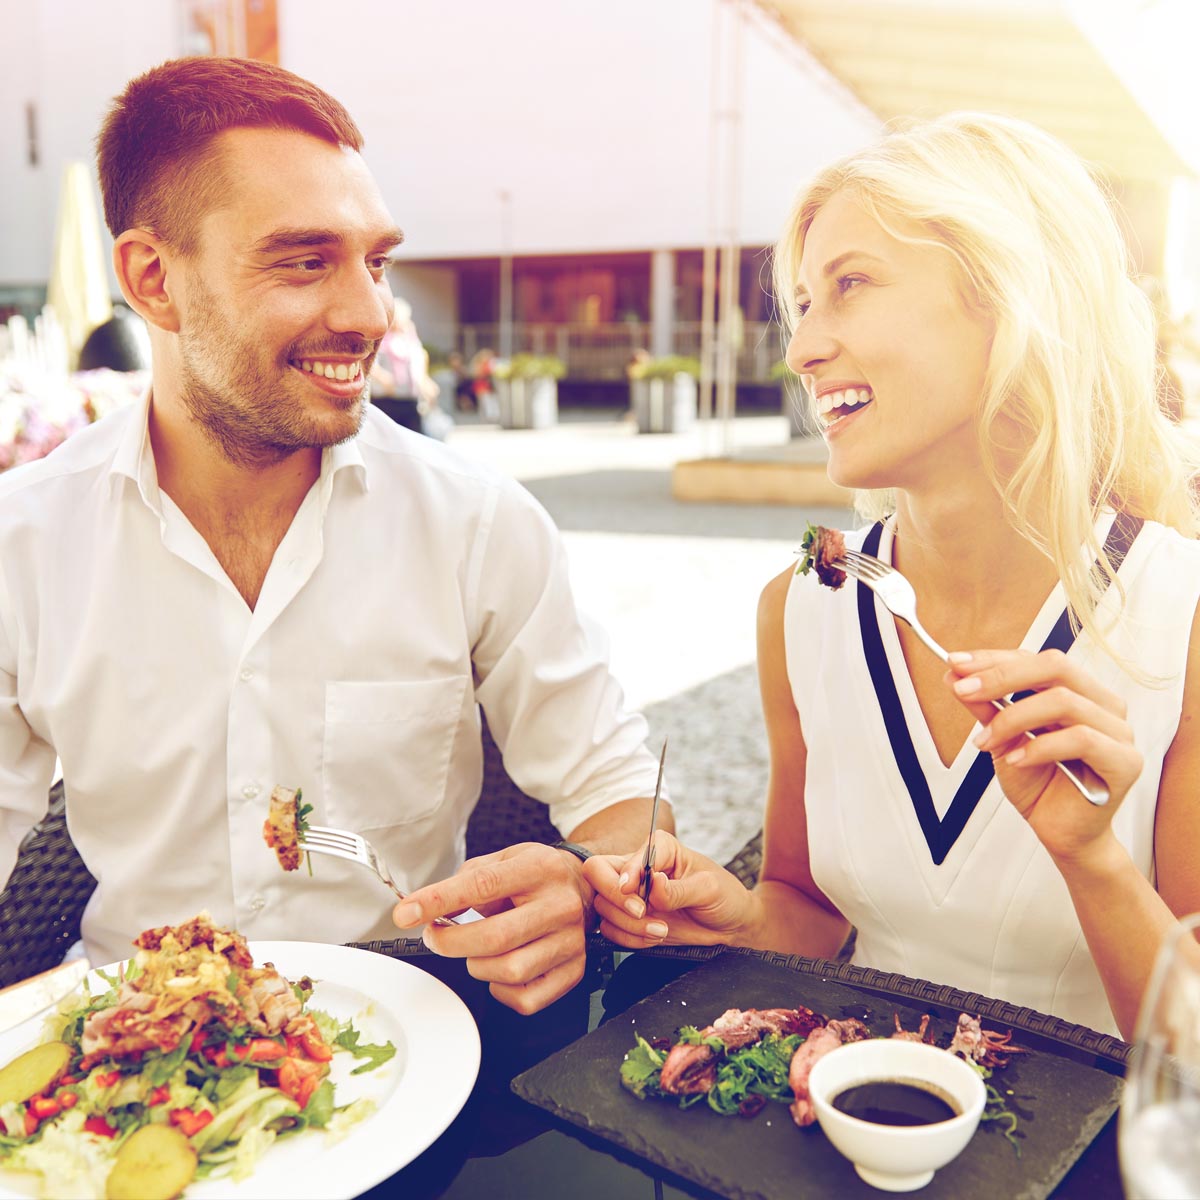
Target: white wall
[[69, 57], [594, 116]]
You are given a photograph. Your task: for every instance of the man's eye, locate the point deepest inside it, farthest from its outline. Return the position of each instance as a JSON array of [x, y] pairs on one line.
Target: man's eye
[[380, 262], [306, 266]]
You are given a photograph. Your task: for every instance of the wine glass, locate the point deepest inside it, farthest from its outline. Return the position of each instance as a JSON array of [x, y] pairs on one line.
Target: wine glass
[[1159, 1125]]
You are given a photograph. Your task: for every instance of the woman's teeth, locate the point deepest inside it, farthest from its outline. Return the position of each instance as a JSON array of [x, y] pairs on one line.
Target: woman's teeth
[[838, 404], [340, 370]]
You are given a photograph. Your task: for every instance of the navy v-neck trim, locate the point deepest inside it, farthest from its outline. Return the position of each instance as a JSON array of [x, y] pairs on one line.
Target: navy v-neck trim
[[940, 835]]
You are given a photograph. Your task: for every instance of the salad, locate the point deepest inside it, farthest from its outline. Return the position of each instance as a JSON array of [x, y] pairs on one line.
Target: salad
[[191, 1064]]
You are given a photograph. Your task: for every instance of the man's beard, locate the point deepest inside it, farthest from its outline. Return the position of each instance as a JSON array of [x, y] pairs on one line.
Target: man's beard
[[246, 412]]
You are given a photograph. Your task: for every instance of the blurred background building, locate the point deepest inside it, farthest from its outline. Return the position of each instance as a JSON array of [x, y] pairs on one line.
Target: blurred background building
[[589, 180]]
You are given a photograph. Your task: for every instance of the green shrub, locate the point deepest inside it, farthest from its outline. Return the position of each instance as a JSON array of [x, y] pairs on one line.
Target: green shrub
[[666, 367], [531, 366]]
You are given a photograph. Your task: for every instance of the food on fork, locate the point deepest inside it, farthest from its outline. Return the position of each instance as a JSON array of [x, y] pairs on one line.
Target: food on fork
[[286, 823], [192, 1063], [821, 548]]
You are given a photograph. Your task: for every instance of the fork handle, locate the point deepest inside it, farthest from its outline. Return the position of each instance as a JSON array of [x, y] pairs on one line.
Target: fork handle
[[1096, 794]]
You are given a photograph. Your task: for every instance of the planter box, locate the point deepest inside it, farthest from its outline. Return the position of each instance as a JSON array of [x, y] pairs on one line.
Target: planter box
[[527, 403], [664, 405]]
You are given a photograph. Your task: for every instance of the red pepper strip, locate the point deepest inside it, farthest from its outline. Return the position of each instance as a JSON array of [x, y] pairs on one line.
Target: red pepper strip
[[197, 1040], [160, 1095], [68, 1079], [68, 1099], [262, 1050], [100, 1127], [108, 1079], [31, 1123], [190, 1122], [44, 1106], [315, 1047]]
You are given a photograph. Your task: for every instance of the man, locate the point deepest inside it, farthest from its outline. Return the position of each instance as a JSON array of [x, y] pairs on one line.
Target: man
[[253, 578]]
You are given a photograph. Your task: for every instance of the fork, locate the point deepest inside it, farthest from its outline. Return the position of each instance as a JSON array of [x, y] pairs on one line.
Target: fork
[[901, 601], [341, 843]]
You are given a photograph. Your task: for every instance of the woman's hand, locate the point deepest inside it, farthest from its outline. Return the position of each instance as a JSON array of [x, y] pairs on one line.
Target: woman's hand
[[693, 901], [1075, 718]]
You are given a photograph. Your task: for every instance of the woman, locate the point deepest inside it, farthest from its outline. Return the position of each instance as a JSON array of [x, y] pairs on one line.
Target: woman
[[984, 370]]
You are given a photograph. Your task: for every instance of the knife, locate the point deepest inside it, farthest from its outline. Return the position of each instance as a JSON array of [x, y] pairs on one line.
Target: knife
[[24, 1000], [648, 863]]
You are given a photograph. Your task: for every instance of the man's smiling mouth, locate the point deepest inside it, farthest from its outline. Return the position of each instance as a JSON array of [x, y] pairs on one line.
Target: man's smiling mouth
[[340, 371]]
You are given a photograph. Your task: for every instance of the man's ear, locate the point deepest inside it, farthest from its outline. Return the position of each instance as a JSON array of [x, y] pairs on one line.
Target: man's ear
[[140, 260]]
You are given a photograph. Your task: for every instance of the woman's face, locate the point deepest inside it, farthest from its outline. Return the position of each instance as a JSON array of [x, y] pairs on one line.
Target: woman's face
[[890, 349]]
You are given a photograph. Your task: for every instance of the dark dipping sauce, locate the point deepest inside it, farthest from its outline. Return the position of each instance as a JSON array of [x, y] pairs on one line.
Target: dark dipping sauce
[[895, 1102]]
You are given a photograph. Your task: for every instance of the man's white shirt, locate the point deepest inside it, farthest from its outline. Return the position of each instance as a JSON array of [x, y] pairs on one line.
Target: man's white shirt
[[410, 586]]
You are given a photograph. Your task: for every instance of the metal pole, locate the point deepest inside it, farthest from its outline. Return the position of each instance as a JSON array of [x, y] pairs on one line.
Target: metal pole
[[505, 347], [729, 333], [708, 298]]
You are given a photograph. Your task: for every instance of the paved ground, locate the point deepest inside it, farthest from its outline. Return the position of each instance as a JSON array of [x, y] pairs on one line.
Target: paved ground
[[676, 585]]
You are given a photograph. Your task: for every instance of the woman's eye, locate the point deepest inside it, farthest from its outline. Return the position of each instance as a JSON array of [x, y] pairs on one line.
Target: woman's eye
[[846, 282], [802, 306]]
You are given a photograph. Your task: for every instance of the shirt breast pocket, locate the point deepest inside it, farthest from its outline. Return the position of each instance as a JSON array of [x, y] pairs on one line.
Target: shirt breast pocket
[[387, 750]]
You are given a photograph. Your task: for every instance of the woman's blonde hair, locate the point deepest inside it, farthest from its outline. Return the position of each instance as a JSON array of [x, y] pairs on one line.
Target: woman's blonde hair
[[1072, 371]]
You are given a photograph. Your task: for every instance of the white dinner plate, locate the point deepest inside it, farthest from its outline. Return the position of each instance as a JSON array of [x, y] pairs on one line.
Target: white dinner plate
[[417, 1093]]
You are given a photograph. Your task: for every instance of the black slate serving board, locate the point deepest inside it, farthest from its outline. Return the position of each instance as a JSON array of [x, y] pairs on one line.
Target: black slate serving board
[[1062, 1103]]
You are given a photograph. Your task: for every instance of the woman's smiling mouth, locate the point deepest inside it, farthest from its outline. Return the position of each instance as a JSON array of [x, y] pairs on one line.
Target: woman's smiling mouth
[[838, 403]]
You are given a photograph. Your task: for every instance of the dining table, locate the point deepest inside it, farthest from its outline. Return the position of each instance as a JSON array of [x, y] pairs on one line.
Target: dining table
[[502, 1145]]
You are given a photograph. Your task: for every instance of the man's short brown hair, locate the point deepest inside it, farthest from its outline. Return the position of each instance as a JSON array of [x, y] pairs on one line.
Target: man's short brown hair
[[158, 169]]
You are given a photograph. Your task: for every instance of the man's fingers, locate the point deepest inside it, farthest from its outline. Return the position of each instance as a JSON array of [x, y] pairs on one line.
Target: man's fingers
[[480, 883], [526, 963], [538, 993], [504, 931]]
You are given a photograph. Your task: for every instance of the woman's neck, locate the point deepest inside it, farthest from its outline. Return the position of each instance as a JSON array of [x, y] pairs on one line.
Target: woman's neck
[[967, 562]]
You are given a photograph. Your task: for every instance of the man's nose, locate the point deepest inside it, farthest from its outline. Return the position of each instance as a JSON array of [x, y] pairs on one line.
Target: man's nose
[[362, 304]]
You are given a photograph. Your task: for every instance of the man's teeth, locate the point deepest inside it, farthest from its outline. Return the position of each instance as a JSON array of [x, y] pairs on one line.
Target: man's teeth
[[340, 370], [847, 398]]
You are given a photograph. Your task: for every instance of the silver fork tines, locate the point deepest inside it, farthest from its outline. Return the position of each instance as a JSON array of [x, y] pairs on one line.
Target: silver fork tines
[[341, 843], [901, 601]]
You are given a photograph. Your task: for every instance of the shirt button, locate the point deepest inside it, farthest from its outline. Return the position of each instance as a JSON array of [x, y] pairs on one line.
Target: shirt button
[[251, 790], [258, 904], [245, 673]]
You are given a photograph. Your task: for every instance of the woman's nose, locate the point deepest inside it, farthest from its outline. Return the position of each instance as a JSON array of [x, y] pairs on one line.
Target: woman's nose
[[811, 344]]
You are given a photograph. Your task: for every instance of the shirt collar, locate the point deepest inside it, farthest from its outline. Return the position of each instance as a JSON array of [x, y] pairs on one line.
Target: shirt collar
[[134, 458]]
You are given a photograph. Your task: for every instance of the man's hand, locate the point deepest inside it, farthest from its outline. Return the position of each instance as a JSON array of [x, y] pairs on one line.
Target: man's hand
[[531, 946]]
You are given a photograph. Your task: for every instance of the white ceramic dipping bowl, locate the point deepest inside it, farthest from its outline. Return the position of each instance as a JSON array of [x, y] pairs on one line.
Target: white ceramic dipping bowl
[[896, 1158]]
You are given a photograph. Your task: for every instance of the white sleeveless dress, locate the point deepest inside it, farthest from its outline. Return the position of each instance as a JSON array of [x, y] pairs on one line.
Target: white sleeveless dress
[[994, 916]]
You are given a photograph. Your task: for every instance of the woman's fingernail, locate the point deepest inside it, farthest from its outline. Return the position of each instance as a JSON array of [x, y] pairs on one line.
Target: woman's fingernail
[[407, 915], [623, 880], [635, 908], [657, 929], [982, 738], [958, 656], [964, 687], [1016, 756]]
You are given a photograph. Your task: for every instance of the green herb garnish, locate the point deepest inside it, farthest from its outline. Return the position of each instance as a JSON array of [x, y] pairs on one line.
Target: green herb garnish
[[807, 544]]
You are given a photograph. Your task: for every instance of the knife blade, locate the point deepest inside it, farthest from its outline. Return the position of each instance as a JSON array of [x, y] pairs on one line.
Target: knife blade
[[648, 863], [39, 994]]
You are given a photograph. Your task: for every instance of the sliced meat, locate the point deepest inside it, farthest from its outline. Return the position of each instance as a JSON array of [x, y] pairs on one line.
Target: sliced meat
[[819, 1043], [690, 1068], [828, 546]]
